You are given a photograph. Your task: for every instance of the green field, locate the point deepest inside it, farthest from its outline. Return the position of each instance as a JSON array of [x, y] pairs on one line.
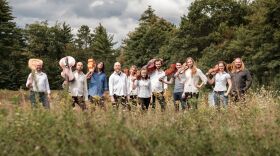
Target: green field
[[252, 128]]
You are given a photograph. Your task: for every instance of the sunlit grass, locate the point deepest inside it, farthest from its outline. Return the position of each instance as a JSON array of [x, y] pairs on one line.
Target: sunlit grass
[[251, 128]]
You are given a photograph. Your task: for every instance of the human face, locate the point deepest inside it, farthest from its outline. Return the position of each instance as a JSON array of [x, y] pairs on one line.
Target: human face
[[39, 67], [158, 64], [117, 67], [190, 63], [143, 73], [221, 67], [237, 63], [132, 71], [79, 66], [100, 65], [178, 65]]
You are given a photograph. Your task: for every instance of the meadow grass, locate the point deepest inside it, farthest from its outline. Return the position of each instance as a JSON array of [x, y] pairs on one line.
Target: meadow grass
[[250, 128]]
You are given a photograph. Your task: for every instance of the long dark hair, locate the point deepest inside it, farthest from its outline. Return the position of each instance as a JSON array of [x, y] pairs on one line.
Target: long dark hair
[[147, 76], [102, 69]]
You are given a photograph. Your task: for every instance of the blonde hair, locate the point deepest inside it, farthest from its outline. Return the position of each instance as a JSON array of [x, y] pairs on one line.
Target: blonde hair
[[193, 68], [234, 68]]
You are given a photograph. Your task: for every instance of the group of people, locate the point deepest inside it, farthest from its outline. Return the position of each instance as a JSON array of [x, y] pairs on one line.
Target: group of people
[[144, 86]]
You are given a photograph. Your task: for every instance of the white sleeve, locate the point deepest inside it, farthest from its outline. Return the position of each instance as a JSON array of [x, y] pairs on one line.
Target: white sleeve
[[111, 85], [48, 85], [164, 84], [85, 89], [202, 76], [126, 87], [29, 80]]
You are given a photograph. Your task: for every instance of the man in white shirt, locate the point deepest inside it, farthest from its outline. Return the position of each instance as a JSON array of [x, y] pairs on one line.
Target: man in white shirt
[[38, 84], [118, 86], [78, 87], [158, 87]]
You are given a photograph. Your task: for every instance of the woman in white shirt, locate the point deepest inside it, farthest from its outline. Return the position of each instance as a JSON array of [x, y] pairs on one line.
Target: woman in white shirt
[[131, 91], [191, 84], [221, 80], [144, 89]]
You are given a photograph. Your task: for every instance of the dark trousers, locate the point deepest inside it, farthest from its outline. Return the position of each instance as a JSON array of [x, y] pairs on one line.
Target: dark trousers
[[160, 98], [133, 100], [97, 100], [237, 96], [191, 99], [144, 102], [79, 100], [41, 96], [121, 100]]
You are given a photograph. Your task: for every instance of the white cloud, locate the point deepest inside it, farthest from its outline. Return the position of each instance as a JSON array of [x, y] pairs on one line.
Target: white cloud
[[118, 16], [96, 3]]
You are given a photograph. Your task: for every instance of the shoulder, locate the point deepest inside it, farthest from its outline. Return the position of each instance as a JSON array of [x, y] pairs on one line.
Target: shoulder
[[227, 75], [44, 74], [199, 71], [246, 71], [112, 75]]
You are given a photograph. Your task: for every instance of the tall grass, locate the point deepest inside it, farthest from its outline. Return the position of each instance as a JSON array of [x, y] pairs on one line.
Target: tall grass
[[252, 128]]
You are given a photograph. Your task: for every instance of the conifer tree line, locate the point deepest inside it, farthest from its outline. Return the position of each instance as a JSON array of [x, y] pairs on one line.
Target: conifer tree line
[[212, 30]]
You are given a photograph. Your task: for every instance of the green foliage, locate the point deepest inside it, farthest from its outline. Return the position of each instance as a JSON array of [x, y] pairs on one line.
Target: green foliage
[[240, 130], [212, 30], [145, 42]]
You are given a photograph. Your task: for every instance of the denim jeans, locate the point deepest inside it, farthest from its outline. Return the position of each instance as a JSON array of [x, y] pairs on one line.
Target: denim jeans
[[220, 97], [177, 96], [42, 98]]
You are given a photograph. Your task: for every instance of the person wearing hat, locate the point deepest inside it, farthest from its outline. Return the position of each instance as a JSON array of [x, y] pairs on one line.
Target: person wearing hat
[[38, 84]]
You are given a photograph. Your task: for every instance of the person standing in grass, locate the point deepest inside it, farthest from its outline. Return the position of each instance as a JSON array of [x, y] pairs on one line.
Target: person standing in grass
[[178, 79], [241, 80], [118, 85], [158, 87], [132, 91], [38, 85], [221, 80], [98, 85], [78, 88], [144, 89], [191, 84]]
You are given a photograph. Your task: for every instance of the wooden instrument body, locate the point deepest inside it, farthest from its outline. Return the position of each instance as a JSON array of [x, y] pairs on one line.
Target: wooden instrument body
[[91, 65], [32, 63], [66, 63]]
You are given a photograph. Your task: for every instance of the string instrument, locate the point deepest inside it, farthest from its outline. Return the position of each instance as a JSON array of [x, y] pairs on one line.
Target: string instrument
[[171, 70], [32, 63], [138, 74], [150, 66], [183, 68], [213, 70], [91, 65], [66, 63]]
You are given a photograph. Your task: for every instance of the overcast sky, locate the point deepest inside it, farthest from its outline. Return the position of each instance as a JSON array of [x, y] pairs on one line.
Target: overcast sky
[[118, 16]]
